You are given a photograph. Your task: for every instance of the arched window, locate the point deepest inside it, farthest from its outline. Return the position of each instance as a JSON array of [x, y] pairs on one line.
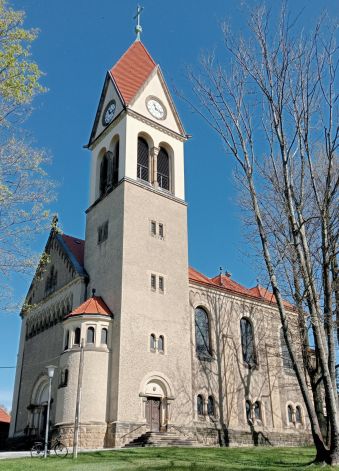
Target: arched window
[[104, 335], [143, 160], [286, 359], [290, 413], [298, 417], [104, 174], [200, 405], [64, 378], [161, 344], [90, 335], [202, 333], [210, 406], [152, 343], [115, 165], [67, 340], [257, 410], [248, 411], [163, 170], [247, 342], [77, 336]]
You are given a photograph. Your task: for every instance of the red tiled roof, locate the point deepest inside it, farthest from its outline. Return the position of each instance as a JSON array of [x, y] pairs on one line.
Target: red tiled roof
[[4, 416], [94, 305], [225, 282], [132, 70], [76, 246]]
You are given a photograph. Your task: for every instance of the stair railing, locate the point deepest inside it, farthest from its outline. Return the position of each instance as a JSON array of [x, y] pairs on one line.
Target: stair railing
[[131, 431], [179, 430]]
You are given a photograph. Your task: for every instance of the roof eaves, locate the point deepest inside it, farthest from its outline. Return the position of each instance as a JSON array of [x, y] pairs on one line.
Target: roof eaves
[[77, 266]]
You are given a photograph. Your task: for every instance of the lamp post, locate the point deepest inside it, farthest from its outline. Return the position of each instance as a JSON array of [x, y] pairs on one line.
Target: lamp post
[[50, 370]]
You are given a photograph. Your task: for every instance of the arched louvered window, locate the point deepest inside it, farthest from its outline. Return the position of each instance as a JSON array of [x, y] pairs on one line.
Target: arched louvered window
[[248, 412], [290, 413], [143, 160], [202, 333], [161, 344], [247, 342], [200, 405], [210, 406], [90, 335], [152, 342], [257, 410], [115, 165], [104, 335], [298, 417], [163, 170], [77, 336], [104, 167], [286, 359]]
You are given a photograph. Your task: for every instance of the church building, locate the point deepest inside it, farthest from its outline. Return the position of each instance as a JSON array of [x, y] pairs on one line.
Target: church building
[[168, 355]]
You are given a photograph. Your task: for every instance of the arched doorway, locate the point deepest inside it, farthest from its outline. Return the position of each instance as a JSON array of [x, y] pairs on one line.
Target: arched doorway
[[38, 408], [156, 397]]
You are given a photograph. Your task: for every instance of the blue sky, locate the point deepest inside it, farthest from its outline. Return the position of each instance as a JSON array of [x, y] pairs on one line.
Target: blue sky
[[78, 41]]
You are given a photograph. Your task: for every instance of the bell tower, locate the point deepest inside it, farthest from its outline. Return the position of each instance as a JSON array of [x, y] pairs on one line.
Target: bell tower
[[136, 247]]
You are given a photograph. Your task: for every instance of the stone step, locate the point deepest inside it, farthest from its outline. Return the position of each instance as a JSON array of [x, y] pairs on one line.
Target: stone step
[[161, 439]]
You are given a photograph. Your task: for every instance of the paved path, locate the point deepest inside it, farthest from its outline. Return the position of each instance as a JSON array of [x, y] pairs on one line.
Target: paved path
[[5, 455]]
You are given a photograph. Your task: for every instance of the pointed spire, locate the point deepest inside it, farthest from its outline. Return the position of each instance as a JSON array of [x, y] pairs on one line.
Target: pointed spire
[[138, 28]]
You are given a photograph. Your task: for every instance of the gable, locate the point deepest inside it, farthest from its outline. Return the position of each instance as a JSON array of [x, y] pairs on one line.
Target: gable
[[65, 263], [155, 86], [109, 92]]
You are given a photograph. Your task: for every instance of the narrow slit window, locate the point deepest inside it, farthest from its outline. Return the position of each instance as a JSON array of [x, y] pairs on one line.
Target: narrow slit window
[[161, 230], [153, 228], [153, 282], [90, 335], [161, 344], [152, 343], [104, 335], [77, 336], [161, 284]]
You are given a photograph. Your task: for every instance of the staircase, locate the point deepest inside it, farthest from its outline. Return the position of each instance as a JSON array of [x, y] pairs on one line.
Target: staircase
[[162, 439]]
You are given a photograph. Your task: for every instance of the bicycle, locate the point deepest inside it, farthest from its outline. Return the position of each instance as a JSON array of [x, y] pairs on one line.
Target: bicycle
[[56, 445]]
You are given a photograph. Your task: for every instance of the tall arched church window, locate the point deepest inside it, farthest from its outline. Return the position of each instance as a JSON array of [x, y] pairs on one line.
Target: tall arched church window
[[115, 165], [290, 413], [200, 405], [257, 410], [298, 417], [286, 359], [248, 411], [202, 333], [163, 170], [104, 174], [247, 342], [143, 160]]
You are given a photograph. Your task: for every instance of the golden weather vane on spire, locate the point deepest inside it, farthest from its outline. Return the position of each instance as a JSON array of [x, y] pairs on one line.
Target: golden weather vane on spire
[[138, 28]]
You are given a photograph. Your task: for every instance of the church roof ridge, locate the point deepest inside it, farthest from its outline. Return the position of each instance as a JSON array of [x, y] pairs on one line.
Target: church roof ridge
[[131, 71]]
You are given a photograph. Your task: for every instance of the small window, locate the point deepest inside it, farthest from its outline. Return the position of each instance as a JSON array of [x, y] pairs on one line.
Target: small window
[[153, 228], [103, 232], [67, 340], [153, 282], [64, 378], [90, 335], [104, 333], [248, 412], [298, 417], [161, 284], [152, 344], [161, 230], [77, 336], [257, 410], [210, 406], [161, 344], [200, 405], [290, 413]]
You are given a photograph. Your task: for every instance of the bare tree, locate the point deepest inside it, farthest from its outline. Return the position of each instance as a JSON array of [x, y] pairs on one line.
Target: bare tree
[[273, 103]]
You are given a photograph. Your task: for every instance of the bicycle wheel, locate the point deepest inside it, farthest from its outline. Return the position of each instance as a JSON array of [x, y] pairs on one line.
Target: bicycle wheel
[[61, 450], [37, 450]]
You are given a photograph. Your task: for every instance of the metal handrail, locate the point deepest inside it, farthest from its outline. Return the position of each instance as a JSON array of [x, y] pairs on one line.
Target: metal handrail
[[131, 431], [179, 430]]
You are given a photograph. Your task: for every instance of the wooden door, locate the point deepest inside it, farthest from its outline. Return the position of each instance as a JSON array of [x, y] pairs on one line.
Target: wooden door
[[153, 413]]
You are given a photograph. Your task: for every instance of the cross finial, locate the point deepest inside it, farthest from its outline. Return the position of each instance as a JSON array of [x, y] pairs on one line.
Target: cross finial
[[138, 28]]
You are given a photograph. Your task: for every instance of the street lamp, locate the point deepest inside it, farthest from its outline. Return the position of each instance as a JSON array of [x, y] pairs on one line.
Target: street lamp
[[50, 370]]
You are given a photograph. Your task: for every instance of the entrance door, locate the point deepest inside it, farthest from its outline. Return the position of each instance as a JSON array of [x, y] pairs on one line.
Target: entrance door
[[153, 413]]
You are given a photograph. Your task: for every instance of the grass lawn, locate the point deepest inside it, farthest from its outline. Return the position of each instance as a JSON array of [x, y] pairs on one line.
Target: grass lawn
[[175, 459]]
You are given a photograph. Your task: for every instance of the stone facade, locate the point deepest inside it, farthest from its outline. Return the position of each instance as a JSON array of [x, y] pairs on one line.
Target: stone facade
[[142, 367]]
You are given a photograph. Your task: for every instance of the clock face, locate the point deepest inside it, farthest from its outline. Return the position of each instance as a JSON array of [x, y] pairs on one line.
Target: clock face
[[108, 114], [156, 108]]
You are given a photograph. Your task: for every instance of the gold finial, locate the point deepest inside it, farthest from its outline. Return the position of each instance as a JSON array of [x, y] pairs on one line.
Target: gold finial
[[138, 28]]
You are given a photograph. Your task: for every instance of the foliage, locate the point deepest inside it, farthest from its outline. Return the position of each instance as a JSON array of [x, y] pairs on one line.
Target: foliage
[[175, 459]]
